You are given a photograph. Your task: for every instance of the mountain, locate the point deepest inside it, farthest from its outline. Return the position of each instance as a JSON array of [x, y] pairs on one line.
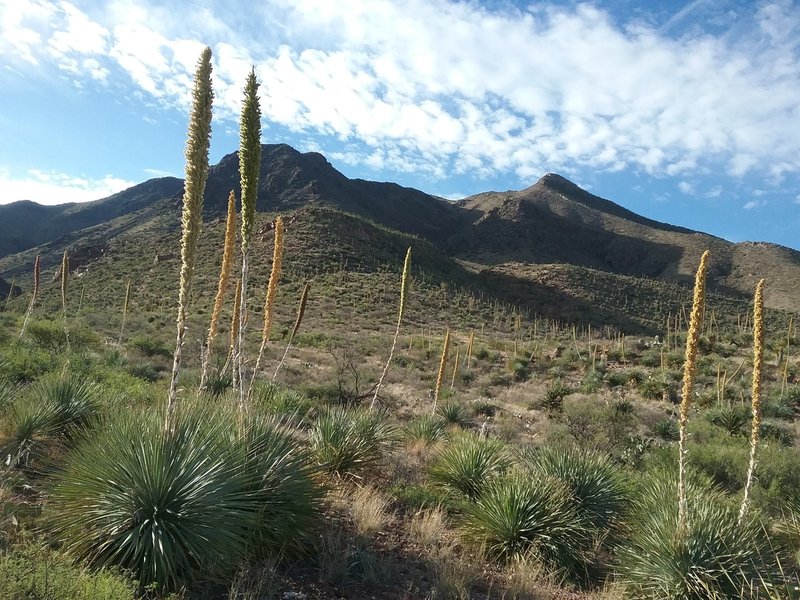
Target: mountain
[[553, 247]]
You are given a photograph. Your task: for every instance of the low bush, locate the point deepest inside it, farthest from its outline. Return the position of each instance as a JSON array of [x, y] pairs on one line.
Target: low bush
[[468, 463]]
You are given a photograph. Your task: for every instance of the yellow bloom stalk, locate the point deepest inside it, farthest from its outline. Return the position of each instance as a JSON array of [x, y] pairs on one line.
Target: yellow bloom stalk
[[197, 146], [225, 270], [37, 275], [689, 368], [272, 292], [400, 310], [249, 166], [442, 365], [301, 309], [758, 357]]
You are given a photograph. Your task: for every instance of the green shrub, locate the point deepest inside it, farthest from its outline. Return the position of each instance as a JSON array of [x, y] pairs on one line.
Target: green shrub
[[22, 363], [50, 337], [278, 400], [715, 557], [777, 433], [168, 507], [32, 572], [348, 441], [666, 429], [149, 346], [554, 396], [520, 369], [426, 429], [517, 515], [468, 463], [731, 418]]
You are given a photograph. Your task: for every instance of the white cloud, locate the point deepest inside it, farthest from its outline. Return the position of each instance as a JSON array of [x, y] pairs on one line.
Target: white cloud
[[48, 187], [686, 188], [754, 204], [452, 87], [714, 192]]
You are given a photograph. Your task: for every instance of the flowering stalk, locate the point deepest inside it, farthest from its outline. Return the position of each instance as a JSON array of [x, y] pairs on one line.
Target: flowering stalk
[[269, 300], [37, 275], [222, 285], [125, 306], [401, 308], [249, 165], [64, 282], [301, 309], [440, 374], [689, 368], [197, 146], [235, 324], [758, 357]]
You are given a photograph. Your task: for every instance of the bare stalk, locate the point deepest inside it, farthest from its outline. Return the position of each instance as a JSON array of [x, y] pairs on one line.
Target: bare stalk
[[401, 308], [442, 365], [37, 276], [301, 309]]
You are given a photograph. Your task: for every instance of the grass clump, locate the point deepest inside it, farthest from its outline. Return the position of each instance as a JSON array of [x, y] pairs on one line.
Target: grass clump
[[426, 429], [454, 413]]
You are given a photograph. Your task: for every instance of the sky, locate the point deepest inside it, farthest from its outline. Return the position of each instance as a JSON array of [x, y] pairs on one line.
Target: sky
[[687, 112]]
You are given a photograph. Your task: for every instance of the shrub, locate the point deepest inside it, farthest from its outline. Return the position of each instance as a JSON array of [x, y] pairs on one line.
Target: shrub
[[715, 557], [21, 363], [33, 572], [777, 433], [666, 429], [348, 441], [281, 401], [167, 507], [50, 337], [454, 413], [426, 429], [468, 463], [517, 515], [731, 418], [149, 346]]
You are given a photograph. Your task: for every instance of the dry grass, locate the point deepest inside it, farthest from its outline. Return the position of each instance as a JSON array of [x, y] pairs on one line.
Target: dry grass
[[369, 509], [428, 528]]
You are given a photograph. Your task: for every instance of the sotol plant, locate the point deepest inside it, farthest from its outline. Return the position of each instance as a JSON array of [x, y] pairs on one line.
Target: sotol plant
[[689, 368], [758, 357], [197, 145], [222, 285], [400, 309], [34, 293], [249, 166]]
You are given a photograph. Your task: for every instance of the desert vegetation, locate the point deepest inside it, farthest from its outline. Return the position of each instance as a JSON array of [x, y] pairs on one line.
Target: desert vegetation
[[387, 433]]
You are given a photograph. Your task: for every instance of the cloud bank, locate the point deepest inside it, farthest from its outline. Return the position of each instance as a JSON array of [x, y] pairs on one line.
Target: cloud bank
[[443, 88]]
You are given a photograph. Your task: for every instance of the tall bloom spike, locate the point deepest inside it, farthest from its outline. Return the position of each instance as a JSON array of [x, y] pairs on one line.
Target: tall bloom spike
[[269, 300], [758, 358], [37, 276], [442, 365], [225, 270], [689, 368], [400, 310], [125, 306], [64, 283], [197, 146], [301, 309], [249, 166]]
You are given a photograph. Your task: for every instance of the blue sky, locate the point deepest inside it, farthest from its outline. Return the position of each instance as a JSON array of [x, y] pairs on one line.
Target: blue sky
[[686, 112]]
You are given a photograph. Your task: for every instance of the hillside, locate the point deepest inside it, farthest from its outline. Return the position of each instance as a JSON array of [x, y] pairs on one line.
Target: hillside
[[497, 243]]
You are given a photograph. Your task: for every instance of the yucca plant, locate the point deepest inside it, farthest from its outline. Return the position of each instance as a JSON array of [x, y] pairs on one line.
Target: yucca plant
[[281, 474], [172, 509], [455, 413], [37, 276], [269, 299], [286, 403], [468, 463], [517, 515], [758, 359], [440, 373], [714, 555], [197, 146], [225, 270], [596, 485], [249, 167], [27, 435], [301, 310], [426, 429], [400, 310], [689, 368], [349, 441]]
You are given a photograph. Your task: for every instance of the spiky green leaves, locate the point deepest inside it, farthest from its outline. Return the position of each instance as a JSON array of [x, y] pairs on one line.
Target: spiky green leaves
[[249, 156]]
